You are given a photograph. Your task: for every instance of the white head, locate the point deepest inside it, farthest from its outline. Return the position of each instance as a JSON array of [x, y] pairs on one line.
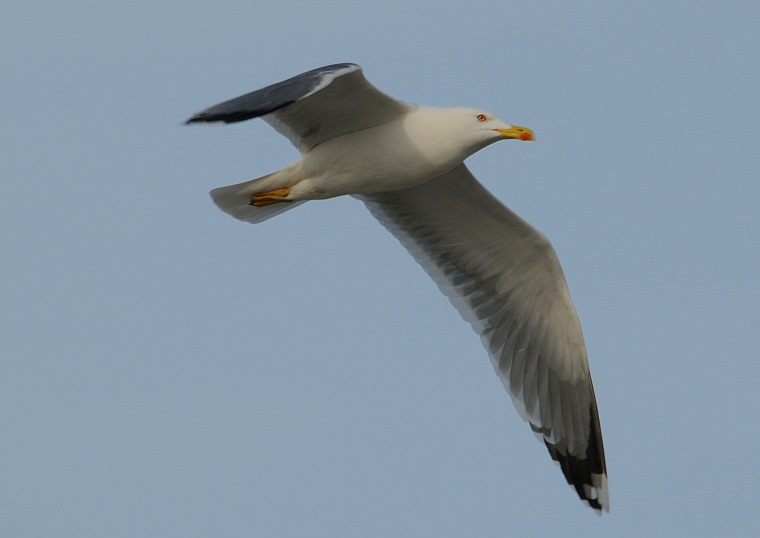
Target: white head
[[464, 131], [483, 128]]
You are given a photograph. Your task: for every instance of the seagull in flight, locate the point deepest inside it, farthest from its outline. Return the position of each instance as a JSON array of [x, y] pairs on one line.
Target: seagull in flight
[[406, 163]]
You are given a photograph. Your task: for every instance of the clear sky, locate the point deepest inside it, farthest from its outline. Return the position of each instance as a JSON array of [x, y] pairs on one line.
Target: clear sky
[[168, 371]]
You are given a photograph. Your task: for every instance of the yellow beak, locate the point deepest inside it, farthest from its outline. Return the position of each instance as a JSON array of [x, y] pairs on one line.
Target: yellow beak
[[519, 133]]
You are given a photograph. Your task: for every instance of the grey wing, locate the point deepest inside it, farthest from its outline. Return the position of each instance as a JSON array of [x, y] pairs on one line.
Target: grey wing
[[505, 279], [312, 107]]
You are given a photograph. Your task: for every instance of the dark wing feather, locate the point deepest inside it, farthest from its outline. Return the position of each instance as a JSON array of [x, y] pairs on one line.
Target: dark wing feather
[[312, 107]]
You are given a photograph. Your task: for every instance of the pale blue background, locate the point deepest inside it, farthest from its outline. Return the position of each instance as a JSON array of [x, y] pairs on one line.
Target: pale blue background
[[166, 371]]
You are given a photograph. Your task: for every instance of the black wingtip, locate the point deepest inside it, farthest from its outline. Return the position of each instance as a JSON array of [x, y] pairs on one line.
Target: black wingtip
[[210, 116], [587, 475], [271, 98]]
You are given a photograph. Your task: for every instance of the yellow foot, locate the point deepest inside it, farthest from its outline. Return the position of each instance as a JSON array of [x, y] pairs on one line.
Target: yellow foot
[[262, 199]]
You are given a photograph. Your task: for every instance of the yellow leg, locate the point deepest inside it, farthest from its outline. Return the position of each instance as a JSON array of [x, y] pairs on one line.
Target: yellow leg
[[262, 199]]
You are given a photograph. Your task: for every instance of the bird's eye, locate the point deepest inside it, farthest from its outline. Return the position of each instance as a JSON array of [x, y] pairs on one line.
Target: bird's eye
[[481, 117]]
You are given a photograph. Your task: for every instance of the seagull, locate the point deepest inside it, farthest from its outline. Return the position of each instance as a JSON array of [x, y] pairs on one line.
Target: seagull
[[406, 163]]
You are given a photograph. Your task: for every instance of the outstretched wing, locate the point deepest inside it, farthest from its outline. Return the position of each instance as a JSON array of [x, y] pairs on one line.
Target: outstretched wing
[[505, 279], [312, 107]]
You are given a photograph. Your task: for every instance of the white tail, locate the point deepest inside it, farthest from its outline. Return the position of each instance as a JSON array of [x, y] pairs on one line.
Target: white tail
[[235, 200]]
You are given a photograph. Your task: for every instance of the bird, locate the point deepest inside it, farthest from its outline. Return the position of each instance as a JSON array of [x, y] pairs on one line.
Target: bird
[[406, 163]]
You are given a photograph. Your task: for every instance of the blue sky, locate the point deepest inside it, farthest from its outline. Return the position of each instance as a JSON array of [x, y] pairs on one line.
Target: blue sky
[[168, 371]]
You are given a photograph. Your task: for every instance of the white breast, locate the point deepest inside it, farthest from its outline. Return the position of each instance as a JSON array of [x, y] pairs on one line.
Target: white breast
[[401, 154]]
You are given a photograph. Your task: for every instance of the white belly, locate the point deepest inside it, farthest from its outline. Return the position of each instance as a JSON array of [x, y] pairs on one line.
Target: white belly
[[373, 160]]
